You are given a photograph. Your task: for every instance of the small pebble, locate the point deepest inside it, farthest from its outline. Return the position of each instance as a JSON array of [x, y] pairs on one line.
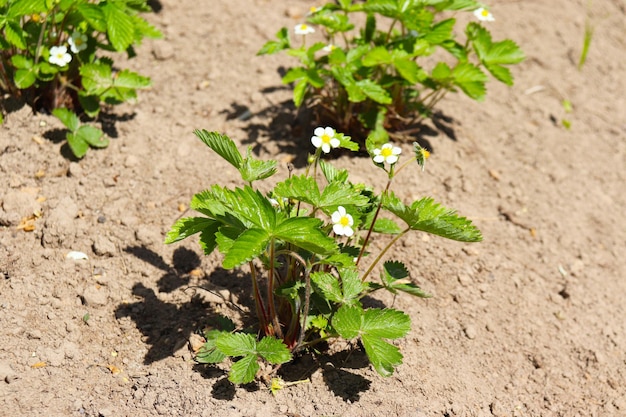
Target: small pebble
[[470, 332]]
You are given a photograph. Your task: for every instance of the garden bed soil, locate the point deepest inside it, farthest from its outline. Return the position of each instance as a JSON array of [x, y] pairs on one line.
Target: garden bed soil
[[530, 322]]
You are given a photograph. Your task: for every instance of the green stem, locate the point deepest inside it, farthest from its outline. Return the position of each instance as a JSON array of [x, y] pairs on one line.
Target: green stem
[[371, 228], [382, 253], [258, 302]]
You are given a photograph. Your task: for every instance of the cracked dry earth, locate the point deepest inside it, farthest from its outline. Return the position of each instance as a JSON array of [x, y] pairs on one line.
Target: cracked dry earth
[[529, 322]]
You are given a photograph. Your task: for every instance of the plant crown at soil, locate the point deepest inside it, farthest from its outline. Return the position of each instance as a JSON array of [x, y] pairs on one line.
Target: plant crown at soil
[[385, 73], [50, 55], [306, 244]]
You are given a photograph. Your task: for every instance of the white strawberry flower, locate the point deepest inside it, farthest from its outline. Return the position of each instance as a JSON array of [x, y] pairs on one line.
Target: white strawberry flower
[[387, 153], [324, 137], [483, 15], [78, 42], [59, 56], [303, 29], [342, 222]]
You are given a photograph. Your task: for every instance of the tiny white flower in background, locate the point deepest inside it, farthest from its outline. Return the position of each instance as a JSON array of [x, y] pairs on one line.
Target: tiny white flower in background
[[342, 222], [324, 137], [303, 29], [387, 153], [313, 10], [59, 56], [78, 42], [329, 48], [274, 202], [483, 15]]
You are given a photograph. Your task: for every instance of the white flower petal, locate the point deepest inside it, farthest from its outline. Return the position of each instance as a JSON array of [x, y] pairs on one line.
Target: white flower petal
[[317, 141], [391, 159], [347, 231], [338, 229], [379, 159], [319, 131], [326, 147], [334, 142]]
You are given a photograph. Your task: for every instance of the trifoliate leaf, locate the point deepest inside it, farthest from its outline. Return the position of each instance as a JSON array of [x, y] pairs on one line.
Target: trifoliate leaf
[[273, 350], [374, 91], [470, 79], [272, 47], [222, 145], [301, 188], [386, 226], [188, 226], [333, 174], [430, 217], [348, 321], [395, 270], [209, 353], [244, 370], [96, 77], [385, 323], [24, 78], [299, 92], [253, 169], [25, 7], [15, 35], [436, 219], [93, 15], [377, 56], [67, 117], [21, 62], [236, 344], [120, 26], [306, 233], [383, 356], [440, 32], [93, 136], [394, 277], [130, 80], [78, 146], [408, 69], [328, 284], [248, 245]]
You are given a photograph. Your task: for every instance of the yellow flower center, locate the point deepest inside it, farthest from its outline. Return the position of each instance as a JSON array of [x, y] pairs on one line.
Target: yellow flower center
[[485, 12], [385, 152], [313, 9], [326, 139], [303, 27], [425, 153], [344, 221]]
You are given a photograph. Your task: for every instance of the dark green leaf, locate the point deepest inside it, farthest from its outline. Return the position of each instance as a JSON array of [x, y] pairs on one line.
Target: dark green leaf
[[93, 15], [272, 47], [374, 91], [244, 370], [78, 146], [67, 117], [347, 321], [470, 79], [250, 244], [253, 169], [273, 350], [93, 136], [377, 56], [188, 226], [222, 145], [24, 78], [306, 233], [383, 356], [328, 284], [236, 344], [15, 35], [120, 26], [209, 353]]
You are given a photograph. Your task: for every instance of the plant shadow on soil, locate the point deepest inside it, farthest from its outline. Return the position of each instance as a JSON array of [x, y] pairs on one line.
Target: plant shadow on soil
[[291, 129], [167, 327]]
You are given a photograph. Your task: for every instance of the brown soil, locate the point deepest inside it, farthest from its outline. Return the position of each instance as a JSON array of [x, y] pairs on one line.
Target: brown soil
[[529, 322]]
